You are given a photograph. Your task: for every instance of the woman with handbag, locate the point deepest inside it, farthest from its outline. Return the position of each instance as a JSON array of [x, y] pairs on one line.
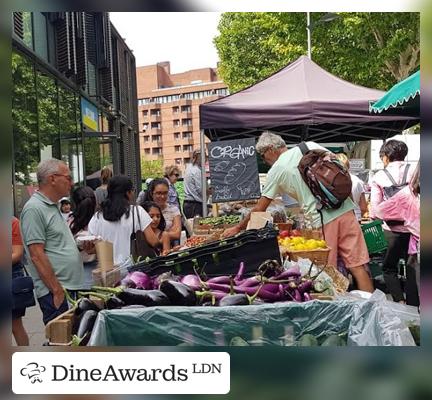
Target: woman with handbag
[[18, 330], [385, 184], [126, 226]]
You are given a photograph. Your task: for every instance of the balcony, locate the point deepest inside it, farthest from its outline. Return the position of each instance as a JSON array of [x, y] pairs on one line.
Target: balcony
[[186, 128], [156, 117], [154, 131], [186, 114], [187, 140], [183, 102]]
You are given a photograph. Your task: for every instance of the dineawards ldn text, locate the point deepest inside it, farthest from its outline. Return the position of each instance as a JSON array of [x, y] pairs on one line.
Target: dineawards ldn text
[[112, 374]]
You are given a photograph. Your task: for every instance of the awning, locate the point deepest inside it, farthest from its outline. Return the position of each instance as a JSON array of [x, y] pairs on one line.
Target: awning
[[404, 94]]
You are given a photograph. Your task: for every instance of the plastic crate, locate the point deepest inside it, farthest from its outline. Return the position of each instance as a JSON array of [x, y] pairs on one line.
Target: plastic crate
[[374, 237]]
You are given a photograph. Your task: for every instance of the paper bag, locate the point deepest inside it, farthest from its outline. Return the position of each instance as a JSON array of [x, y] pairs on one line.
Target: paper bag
[[104, 252], [259, 219]]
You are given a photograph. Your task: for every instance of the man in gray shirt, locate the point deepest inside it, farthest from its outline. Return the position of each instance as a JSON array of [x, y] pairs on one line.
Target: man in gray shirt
[[54, 261], [192, 205]]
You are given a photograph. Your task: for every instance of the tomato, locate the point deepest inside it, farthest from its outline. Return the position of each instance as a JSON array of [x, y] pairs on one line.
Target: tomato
[[283, 234]]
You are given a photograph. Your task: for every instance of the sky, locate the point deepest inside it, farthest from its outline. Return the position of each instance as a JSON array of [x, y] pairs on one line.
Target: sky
[[185, 39]]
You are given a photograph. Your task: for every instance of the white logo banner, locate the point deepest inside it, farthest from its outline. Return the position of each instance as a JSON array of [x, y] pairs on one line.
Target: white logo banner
[[120, 373]]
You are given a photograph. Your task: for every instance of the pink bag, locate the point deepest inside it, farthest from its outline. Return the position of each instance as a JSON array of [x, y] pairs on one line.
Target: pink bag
[[403, 207]]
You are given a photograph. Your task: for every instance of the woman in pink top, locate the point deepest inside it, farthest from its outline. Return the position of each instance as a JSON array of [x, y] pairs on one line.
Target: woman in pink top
[[396, 171]]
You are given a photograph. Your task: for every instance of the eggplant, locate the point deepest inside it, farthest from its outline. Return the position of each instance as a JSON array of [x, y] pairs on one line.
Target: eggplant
[[249, 282], [148, 298], [178, 293], [307, 296], [86, 326], [114, 302], [220, 279], [192, 281], [234, 300], [262, 293], [240, 272], [305, 286]]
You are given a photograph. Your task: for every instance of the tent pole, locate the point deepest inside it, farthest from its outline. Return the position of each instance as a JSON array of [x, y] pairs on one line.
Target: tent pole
[[203, 174]]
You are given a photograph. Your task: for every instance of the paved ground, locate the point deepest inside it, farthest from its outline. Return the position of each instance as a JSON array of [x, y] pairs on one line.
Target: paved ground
[[34, 326]]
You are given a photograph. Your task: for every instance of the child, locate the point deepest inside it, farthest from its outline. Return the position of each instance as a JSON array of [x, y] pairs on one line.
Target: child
[[158, 223], [65, 208]]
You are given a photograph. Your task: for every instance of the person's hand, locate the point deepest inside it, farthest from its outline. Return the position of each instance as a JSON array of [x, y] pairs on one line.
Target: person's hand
[[231, 231], [58, 297]]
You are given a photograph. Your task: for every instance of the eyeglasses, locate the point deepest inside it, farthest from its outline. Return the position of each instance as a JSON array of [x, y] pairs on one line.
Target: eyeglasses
[[160, 193], [68, 177]]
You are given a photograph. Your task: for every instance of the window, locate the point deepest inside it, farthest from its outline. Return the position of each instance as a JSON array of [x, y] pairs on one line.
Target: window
[[147, 151], [186, 108], [40, 35], [177, 149], [177, 136], [178, 161], [186, 122], [145, 126], [187, 147], [222, 92], [186, 160], [155, 112], [146, 138], [156, 138], [155, 125], [175, 110], [157, 151], [187, 135], [145, 113], [176, 122], [28, 29]]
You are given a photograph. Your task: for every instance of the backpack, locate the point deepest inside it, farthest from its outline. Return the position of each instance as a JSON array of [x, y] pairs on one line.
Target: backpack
[[390, 191], [328, 180]]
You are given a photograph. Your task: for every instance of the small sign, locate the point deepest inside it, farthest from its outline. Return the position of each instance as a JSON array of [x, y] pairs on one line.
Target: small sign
[[89, 115], [234, 170], [357, 164]]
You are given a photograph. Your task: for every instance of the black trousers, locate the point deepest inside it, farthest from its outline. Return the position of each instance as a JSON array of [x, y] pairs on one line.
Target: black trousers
[[398, 249], [192, 209]]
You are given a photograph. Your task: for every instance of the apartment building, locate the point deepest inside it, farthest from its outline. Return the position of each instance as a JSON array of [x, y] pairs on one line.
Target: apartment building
[[168, 110]]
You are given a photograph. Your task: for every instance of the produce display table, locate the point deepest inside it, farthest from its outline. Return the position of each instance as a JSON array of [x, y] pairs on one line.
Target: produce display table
[[282, 324]]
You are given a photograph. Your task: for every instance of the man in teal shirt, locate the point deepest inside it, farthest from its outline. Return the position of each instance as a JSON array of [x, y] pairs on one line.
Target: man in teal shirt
[[342, 231], [54, 261]]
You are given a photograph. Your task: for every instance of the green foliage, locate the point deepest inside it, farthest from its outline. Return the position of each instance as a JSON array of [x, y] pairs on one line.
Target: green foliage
[[370, 49], [151, 168]]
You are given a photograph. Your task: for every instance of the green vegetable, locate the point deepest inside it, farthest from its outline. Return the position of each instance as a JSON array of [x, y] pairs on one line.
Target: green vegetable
[[333, 340], [307, 341], [238, 341]]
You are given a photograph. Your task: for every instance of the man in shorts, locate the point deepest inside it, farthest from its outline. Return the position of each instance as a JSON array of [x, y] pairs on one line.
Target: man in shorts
[[341, 229]]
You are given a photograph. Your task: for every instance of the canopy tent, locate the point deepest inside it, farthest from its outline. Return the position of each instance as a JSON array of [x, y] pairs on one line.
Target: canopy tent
[[301, 101], [404, 97]]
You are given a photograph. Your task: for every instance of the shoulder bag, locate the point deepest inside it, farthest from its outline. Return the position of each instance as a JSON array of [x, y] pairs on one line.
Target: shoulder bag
[[22, 291], [138, 243]]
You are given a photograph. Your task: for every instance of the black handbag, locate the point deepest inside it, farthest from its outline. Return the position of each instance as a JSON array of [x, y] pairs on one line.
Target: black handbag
[[138, 243], [22, 291]]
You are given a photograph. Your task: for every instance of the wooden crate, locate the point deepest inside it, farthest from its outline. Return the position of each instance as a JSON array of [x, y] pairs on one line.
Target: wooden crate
[[59, 330], [108, 278]]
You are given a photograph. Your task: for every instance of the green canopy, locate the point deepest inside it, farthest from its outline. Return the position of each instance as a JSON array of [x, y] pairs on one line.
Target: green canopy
[[405, 94]]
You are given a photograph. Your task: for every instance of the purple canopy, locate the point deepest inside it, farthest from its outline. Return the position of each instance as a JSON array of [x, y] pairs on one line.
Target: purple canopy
[[301, 101]]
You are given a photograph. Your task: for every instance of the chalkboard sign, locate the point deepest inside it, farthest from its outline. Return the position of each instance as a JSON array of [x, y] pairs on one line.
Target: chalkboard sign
[[234, 170]]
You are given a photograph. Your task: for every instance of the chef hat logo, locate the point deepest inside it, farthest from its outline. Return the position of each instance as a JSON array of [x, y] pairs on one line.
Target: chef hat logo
[[32, 371]]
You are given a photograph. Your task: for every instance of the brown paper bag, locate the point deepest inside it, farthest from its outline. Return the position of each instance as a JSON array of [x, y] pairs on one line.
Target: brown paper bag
[[259, 219], [104, 252]]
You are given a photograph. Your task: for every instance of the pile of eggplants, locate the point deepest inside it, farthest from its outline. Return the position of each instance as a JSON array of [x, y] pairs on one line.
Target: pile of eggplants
[[272, 283]]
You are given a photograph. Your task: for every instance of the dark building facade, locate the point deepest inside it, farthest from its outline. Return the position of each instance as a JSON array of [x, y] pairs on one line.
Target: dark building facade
[[74, 98]]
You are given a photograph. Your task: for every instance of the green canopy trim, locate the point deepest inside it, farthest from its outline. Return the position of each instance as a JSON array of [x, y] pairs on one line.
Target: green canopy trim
[[399, 94]]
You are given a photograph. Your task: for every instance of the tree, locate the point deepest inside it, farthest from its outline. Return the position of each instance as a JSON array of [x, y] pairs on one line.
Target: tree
[[151, 168], [370, 49]]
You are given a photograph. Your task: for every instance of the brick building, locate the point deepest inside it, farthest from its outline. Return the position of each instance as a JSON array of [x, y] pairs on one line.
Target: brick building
[[168, 110]]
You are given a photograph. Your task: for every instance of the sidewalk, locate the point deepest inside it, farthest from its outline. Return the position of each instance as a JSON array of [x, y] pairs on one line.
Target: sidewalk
[[34, 326]]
